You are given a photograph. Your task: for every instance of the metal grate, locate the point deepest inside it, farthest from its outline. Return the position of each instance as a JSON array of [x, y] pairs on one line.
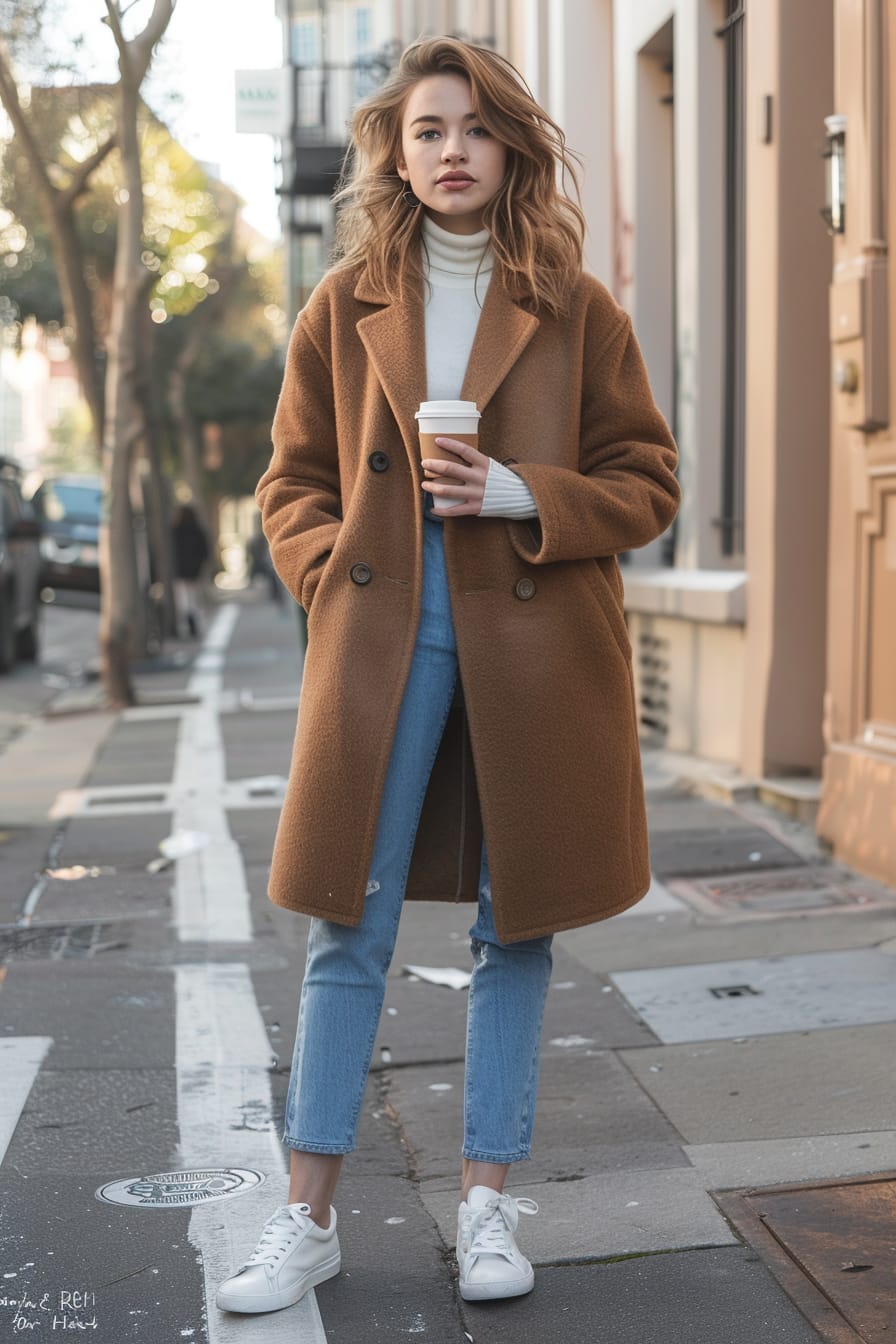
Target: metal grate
[[53, 942], [654, 657], [782, 892]]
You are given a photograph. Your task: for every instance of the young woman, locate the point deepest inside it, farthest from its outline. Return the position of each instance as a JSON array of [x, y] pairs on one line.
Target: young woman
[[467, 726]]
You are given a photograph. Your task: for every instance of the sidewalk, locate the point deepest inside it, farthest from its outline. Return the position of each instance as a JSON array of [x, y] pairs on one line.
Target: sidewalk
[[733, 1032]]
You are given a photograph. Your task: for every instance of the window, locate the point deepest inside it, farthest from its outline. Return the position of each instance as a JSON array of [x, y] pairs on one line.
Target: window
[[363, 31], [305, 42]]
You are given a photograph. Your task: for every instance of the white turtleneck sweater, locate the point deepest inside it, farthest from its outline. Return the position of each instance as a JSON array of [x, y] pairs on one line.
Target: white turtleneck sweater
[[459, 268]]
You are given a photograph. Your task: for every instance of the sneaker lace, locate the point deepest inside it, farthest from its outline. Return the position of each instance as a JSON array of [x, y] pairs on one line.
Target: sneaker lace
[[492, 1226], [279, 1235]]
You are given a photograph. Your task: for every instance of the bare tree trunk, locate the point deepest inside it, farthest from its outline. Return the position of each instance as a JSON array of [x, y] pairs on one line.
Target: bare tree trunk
[[159, 511], [121, 603]]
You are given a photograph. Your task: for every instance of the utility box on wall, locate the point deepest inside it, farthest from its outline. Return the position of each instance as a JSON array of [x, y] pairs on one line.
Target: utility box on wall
[[859, 348]]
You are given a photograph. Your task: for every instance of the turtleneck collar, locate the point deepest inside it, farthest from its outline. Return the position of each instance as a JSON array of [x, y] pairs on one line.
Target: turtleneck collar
[[460, 254]]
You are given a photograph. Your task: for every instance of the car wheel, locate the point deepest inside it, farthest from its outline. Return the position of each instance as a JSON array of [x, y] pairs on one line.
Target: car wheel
[[7, 635], [28, 640]]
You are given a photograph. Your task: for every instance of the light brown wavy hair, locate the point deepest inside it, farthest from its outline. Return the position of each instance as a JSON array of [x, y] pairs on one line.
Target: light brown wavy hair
[[537, 229]]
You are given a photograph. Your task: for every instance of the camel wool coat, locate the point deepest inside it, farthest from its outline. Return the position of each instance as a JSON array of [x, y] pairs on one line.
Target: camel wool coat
[[541, 749]]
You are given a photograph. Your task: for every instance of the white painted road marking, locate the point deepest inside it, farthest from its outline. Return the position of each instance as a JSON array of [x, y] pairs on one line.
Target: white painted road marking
[[224, 1111], [211, 900], [224, 1100], [20, 1061]]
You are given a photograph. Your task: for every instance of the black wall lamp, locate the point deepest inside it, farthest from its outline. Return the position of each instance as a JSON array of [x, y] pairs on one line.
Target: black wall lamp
[[834, 154]]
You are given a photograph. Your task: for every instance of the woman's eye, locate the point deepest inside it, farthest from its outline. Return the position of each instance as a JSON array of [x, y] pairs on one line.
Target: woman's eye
[[425, 135], [478, 130]]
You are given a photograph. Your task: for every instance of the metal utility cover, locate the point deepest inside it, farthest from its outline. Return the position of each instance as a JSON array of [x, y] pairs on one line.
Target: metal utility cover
[[798, 993], [776, 894], [831, 1246]]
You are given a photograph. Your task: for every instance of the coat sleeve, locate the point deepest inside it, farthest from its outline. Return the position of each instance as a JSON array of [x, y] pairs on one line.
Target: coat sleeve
[[299, 494], [625, 492]]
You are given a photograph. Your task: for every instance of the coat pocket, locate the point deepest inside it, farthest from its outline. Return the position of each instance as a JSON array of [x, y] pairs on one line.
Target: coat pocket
[[609, 596]]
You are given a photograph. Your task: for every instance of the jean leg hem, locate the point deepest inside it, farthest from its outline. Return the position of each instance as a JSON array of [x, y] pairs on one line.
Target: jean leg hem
[[475, 1155], [328, 1149]]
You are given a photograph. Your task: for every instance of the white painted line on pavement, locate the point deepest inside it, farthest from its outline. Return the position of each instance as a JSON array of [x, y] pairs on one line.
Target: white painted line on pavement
[[225, 1116], [211, 899], [20, 1061]]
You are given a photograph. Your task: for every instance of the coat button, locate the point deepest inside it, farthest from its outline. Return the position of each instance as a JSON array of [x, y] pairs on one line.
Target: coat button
[[525, 589], [378, 462], [360, 574]]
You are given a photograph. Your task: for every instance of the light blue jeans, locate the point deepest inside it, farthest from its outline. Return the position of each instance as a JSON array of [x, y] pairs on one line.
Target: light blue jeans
[[345, 976]]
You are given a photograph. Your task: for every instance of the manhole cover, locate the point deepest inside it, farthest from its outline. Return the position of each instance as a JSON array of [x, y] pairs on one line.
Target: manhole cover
[[830, 1245], [180, 1189], [50, 942], [783, 892]]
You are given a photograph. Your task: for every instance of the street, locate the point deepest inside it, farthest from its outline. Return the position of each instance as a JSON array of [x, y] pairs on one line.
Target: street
[[734, 1031]]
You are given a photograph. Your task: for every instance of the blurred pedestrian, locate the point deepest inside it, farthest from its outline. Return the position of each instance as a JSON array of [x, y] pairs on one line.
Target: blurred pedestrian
[[262, 566], [444, 633], [191, 551]]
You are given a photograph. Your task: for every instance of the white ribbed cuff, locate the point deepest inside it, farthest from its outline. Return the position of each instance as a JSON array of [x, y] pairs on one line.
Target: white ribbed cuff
[[506, 494]]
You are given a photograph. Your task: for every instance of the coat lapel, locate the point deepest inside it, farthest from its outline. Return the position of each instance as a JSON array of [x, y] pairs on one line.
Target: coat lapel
[[395, 340], [503, 333]]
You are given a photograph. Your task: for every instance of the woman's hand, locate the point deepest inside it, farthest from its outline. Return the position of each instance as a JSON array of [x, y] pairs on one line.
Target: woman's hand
[[456, 481]]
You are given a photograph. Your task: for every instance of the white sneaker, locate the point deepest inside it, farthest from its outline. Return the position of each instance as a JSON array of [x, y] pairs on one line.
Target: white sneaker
[[490, 1262], [293, 1254]]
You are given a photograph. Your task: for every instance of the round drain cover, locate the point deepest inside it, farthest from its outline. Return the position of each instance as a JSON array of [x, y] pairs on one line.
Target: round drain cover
[[180, 1189]]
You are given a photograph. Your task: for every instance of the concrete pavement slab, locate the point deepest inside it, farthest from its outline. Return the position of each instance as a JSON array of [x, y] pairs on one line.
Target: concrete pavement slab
[[425, 1022], [702, 1297], [42, 760], [90, 1015], [397, 1279], [614, 1213], [729, 1166], [686, 813], [129, 842], [95, 1122], [764, 995], [258, 743], [690, 851], [137, 753], [671, 939], [254, 830], [135, 1266], [765, 1087], [590, 1117], [658, 901]]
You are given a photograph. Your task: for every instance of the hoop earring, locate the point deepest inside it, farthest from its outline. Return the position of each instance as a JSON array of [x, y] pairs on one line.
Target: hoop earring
[[410, 200]]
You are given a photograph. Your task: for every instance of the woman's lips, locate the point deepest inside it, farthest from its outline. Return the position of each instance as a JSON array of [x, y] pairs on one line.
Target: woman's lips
[[455, 183]]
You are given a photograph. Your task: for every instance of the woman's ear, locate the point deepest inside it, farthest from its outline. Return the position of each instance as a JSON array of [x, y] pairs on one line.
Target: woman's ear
[[402, 170]]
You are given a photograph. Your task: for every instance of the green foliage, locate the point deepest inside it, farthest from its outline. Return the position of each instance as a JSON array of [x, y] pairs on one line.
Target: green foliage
[[73, 447]]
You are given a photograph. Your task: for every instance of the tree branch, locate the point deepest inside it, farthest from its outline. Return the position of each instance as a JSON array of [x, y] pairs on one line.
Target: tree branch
[[136, 54], [9, 97], [113, 18], [79, 178]]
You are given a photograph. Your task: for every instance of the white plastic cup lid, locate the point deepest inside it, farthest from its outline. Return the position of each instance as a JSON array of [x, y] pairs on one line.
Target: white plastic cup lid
[[438, 409]]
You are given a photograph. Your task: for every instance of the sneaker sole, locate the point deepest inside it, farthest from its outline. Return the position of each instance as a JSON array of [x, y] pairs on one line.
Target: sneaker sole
[[482, 1292], [286, 1297]]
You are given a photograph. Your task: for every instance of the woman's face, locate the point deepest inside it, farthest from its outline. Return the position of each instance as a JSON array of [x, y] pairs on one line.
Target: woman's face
[[454, 166]]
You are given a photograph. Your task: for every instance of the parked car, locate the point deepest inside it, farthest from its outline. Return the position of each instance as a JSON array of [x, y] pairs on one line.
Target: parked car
[[20, 564], [70, 508]]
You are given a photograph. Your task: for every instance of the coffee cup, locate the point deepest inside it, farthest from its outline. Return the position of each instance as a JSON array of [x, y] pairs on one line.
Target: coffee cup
[[453, 420]]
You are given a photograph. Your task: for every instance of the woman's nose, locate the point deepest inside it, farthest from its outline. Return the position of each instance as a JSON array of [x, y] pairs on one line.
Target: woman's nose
[[453, 149]]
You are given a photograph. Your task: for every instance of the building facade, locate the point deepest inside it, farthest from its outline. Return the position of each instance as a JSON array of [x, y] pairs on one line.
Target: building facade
[[858, 804]]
